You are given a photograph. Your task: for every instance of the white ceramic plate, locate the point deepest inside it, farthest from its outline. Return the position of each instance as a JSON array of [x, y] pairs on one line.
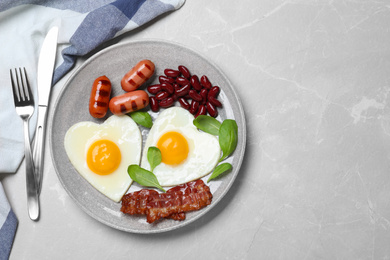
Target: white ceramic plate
[[72, 107]]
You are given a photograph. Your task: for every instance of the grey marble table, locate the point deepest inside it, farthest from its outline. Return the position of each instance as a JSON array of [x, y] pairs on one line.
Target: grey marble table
[[314, 81]]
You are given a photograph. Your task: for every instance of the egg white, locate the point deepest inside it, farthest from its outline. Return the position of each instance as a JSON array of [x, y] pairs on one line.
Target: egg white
[[204, 149], [121, 130]]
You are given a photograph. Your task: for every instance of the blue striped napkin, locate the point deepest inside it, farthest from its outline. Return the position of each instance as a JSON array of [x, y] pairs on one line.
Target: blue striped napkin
[[83, 26], [8, 224]]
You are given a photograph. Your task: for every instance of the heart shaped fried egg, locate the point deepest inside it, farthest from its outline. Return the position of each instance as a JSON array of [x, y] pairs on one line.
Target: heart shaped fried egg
[[101, 153], [187, 153]]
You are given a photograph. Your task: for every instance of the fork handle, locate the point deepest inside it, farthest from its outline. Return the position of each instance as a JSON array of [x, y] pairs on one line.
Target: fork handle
[[31, 183]]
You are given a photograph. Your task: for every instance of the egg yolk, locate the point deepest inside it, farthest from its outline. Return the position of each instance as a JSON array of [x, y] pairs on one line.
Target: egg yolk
[[103, 157], [174, 148]]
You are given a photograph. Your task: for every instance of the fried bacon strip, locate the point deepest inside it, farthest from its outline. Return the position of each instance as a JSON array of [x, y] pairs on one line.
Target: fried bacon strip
[[171, 204]]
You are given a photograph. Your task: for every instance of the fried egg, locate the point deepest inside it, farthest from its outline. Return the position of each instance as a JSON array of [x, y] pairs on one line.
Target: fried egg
[[101, 153], [187, 153]]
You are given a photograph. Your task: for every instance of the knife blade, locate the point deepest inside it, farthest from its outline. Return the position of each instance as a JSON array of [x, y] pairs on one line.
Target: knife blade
[[46, 63]]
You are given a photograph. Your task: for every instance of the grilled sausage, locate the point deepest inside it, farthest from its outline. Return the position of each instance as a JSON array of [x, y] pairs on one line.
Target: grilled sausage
[[100, 97], [138, 75], [129, 102]]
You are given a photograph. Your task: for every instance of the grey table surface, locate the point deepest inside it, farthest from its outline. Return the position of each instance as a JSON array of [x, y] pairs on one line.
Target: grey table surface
[[314, 81]]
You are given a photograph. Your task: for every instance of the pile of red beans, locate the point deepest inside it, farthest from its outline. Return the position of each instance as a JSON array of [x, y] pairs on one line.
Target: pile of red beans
[[196, 95]]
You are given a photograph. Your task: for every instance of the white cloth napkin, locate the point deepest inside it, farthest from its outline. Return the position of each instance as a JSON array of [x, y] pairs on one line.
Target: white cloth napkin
[[83, 26]]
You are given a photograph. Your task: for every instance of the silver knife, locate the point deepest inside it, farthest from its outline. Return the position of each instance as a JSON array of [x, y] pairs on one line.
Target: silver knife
[[45, 76]]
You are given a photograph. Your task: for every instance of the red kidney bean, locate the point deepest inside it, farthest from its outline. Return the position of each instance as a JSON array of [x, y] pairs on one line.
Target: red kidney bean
[[214, 91], [195, 83], [182, 81], [183, 90], [154, 104], [167, 87], [204, 94], [184, 103], [166, 102], [164, 79], [162, 95], [184, 71], [171, 73], [194, 107], [215, 102], [211, 109], [195, 96], [154, 89], [201, 111], [205, 82], [176, 86]]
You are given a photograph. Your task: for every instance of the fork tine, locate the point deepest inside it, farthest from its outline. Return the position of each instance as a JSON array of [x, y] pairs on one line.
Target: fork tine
[[26, 85], [15, 89], [16, 75], [20, 84]]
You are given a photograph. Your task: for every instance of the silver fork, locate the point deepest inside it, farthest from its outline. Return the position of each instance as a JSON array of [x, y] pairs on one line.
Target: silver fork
[[24, 104]]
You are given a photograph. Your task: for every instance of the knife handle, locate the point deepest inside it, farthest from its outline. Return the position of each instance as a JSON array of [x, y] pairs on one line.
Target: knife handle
[[39, 145]]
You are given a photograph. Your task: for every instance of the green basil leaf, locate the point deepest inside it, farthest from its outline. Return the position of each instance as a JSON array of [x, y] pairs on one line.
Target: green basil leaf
[[154, 157], [142, 118], [224, 167], [228, 137], [143, 177], [207, 124]]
